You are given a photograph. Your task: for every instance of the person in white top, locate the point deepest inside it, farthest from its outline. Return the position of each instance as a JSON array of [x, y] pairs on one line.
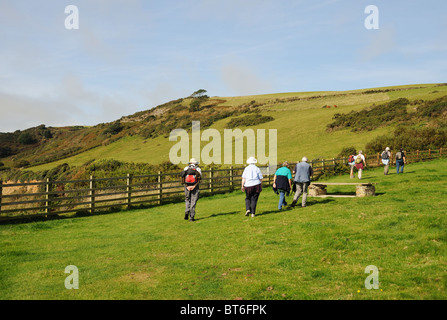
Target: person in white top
[[252, 185], [360, 163]]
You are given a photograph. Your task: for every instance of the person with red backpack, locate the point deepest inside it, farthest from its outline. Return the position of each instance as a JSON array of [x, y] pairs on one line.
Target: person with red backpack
[[191, 176]]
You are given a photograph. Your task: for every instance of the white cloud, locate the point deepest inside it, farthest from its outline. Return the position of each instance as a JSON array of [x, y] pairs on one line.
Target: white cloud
[[381, 42], [239, 78]]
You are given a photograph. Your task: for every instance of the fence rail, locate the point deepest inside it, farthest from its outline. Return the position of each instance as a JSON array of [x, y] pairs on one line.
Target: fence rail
[[46, 198]]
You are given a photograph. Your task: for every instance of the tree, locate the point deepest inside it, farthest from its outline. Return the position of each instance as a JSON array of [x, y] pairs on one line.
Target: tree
[[199, 94]]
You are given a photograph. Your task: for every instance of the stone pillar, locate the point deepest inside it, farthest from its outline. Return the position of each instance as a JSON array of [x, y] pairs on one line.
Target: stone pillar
[[365, 190], [316, 190]]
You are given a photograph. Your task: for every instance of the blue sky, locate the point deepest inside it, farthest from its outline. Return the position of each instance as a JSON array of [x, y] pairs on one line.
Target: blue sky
[[129, 56]]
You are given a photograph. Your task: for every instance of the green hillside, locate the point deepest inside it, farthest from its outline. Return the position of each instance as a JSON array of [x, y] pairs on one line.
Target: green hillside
[[317, 252], [301, 120]]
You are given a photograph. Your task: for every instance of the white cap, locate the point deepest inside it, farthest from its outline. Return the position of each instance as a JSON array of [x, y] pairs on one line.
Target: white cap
[[304, 159]]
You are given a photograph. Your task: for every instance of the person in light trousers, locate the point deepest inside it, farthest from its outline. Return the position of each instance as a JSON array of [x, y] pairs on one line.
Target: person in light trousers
[[303, 172]]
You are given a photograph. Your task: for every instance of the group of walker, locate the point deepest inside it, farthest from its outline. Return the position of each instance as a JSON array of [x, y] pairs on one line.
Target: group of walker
[[251, 185], [283, 183], [359, 162]]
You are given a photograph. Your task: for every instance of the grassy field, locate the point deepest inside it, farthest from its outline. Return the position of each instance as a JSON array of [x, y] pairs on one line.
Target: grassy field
[[301, 126], [318, 252]]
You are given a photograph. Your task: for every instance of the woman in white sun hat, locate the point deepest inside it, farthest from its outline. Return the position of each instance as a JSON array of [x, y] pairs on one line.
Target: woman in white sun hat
[[252, 185]]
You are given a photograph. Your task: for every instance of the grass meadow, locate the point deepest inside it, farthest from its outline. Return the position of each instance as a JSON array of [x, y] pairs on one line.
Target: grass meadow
[[317, 252]]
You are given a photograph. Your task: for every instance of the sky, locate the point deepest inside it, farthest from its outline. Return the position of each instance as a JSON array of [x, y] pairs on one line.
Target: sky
[[129, 56]]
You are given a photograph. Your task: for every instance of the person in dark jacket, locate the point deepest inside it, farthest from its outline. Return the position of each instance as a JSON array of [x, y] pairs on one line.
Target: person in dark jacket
[[193, 172], [303, 171], [400, 161], [282, 183]]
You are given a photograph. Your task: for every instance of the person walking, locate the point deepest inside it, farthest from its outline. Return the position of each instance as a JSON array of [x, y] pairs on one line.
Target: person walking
[[351, 163], [191, 176], [386, 155], [282, 183], [360, 163], [251, 185], [303, 171], [400, 161]]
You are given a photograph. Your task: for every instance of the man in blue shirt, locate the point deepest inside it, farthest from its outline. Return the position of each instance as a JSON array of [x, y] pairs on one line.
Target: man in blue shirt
[[303, 171]]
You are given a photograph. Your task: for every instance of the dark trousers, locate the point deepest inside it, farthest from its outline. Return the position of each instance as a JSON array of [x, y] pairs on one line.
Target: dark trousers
[[191, 198], [251, 198]]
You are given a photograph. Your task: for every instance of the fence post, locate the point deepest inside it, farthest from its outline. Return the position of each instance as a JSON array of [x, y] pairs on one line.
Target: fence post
[[429, 153], [417, 154], [160, 188], [211, 181], [1, 193], [378, 159], [47, 196], [91, 193], [271, 176], [129, 190], [440, 155], [231, 178]]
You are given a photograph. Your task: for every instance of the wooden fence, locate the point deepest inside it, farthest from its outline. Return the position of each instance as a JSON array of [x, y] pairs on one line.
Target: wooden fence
[[46, 198]]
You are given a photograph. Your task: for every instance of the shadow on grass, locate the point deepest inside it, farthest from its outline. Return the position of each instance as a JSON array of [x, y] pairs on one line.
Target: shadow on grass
[[310, 203], [214, 215], [81, 213]]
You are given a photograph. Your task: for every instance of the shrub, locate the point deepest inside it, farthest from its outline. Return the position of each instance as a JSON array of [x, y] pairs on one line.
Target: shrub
[[26, 138], [410, 139], [5, 152], [347, 151], [47, 134], [21, 164], [372, 118], [248, 120], [113, 128], [337, 170], [194, 105]]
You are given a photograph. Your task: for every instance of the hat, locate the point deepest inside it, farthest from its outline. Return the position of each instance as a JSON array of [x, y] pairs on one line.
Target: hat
[[387, 149], [193, 161], [251, 160], [304, 159]]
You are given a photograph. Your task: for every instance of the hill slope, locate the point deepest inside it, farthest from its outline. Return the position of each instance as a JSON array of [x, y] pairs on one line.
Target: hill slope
[[301, 120]]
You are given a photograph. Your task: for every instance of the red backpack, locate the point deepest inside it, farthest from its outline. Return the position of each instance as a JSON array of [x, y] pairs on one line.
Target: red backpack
[[351, 158], [191, 176]]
